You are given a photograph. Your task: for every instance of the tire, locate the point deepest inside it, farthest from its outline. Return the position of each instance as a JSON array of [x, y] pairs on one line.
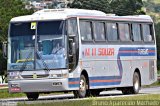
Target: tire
[[32, 96], [83, 88], [136, 85]]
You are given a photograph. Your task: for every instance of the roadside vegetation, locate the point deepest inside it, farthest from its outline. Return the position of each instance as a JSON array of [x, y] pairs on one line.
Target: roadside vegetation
[[5, 94], [153, 85]]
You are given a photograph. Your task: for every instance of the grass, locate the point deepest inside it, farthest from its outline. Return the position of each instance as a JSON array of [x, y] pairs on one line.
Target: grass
[[5, 94], [102, 101], [154, 84], [158, 72]]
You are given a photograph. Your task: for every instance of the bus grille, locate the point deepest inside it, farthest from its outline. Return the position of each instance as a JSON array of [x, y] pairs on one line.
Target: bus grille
[[37, 76]]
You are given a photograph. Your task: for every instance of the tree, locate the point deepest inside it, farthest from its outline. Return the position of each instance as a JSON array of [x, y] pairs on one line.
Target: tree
[[8, 10], [157, 27], [118, 7], [127, 7], [102, 5]]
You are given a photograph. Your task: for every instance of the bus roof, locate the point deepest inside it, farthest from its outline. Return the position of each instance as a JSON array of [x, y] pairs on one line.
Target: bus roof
[[62, 14]]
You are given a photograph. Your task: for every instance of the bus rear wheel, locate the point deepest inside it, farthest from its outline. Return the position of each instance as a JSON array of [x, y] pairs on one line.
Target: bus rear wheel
[[83, 88], [136, 85], [32, 96]]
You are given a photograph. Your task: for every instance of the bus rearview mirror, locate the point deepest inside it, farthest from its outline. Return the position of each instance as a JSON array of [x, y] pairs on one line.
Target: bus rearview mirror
[[4, 48], [73, 48]]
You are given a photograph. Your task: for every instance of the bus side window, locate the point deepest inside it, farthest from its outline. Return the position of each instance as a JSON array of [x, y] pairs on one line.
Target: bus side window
[[124, 32], [136, 32], [72, 27], [147, 33], [99, 33], [85, 31], [112, 32]]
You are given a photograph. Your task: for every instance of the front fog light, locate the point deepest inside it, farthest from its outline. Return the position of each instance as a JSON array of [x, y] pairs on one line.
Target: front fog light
[[14, 75], [15, 85]]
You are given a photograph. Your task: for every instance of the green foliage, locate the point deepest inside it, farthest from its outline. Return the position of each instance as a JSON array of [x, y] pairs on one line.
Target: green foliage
[[118, 7], [3, 64], [157, 27], [8, 10], [5, 94], [153, 6], [127, 7], [102, 5], [153, 9]]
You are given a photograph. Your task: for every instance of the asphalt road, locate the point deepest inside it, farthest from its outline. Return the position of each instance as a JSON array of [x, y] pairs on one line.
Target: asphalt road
[[66, 97]]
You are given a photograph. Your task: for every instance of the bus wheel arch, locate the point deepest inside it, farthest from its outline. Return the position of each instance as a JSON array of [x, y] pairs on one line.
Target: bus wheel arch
[[83, 86], [136, 79]]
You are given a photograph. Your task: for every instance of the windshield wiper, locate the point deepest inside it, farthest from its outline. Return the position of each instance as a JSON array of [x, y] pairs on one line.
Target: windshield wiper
[[25, 62], [45, 65]]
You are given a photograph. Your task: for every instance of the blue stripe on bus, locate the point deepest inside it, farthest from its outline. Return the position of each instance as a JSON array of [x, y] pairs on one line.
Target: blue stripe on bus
[[123, 51], [136, 54], [104, 77], [135, 48], [74, 79]]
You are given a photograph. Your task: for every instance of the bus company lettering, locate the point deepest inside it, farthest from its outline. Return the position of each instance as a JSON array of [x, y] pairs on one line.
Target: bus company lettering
[[143, 51], [99, 52]]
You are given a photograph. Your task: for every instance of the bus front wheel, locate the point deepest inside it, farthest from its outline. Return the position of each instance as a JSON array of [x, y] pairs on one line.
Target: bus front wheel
[[32, 96], [83, 88]]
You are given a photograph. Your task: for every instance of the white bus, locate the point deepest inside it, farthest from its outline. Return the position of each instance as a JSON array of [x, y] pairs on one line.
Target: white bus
[[84, 51]]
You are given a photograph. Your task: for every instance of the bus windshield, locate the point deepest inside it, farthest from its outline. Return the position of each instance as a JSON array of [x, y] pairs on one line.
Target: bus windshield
[[39, 48]]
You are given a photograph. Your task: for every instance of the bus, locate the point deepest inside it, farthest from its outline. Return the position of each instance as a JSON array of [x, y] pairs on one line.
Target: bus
[[84, 51]]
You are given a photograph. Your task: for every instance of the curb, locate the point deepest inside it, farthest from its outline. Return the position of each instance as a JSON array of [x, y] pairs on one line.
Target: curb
[[3, 85]]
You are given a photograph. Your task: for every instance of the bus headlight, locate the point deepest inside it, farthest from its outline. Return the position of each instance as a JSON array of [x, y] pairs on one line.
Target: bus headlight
[[58, 75], [14, 75]]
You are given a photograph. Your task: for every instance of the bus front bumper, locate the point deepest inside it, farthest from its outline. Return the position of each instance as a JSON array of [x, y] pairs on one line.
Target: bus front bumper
[[38, 85]]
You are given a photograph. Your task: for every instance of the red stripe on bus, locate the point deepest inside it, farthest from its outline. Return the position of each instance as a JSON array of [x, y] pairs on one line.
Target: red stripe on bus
[[115, 80], [126, 51], [75, 82]]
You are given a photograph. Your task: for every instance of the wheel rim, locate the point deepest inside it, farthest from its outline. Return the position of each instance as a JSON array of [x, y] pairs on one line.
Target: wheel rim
[[82, 86], [136, 85]]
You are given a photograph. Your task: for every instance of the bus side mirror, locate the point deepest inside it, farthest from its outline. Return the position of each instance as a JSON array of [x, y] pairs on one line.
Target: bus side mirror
[[73, 48], [72, 45], [4, 48]]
